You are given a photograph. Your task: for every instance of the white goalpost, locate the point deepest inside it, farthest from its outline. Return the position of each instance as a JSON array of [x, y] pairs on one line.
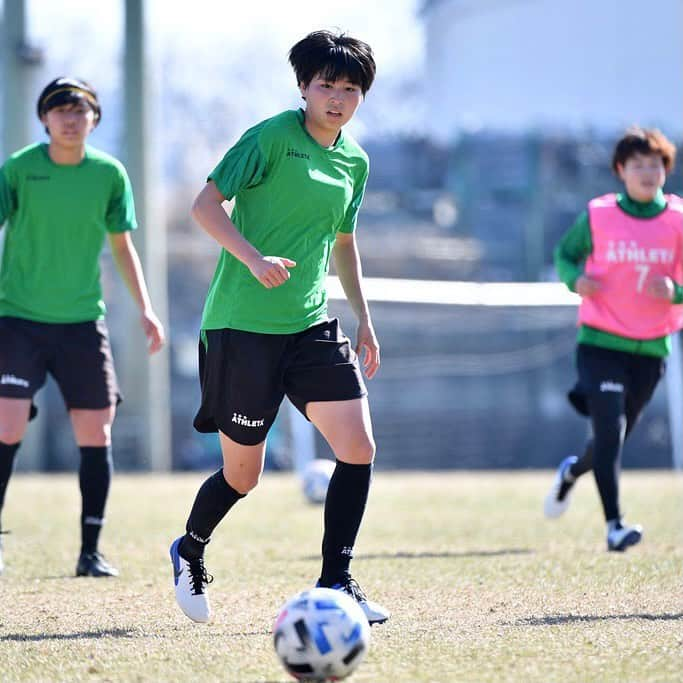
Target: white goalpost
[[484, 294], [674, 390]]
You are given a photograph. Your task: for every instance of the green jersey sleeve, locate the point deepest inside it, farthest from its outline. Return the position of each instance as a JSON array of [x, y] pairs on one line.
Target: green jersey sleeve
[[351, 217], [573, 250], [8, 198], [121, 208], [244, 165]]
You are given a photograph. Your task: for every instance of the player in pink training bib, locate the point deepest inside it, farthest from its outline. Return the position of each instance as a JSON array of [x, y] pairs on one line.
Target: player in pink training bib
[[624, 257]]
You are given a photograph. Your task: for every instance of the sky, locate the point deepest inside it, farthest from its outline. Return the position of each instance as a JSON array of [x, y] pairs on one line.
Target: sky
[[224, 49], [269, 26], [221, 67]]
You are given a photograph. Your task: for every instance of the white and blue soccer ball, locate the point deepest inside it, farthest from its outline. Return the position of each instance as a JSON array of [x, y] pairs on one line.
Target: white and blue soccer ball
[[321, 634], [315, 479]]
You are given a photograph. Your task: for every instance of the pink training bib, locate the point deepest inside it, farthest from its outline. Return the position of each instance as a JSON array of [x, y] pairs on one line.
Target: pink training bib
[[627, 253]]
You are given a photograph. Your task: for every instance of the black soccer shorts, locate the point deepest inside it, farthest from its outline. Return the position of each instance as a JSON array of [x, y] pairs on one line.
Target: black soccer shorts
[[77, 355], [244, 377], [608, 371]]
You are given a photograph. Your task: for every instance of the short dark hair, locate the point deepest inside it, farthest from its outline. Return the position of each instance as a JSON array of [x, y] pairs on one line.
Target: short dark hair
[[639, 140], [68, 90], [333, 56]]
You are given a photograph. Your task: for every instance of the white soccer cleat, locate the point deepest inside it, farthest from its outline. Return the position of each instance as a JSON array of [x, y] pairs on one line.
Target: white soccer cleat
[[190, 579], [557, 500], [374, 612], [624, 536]]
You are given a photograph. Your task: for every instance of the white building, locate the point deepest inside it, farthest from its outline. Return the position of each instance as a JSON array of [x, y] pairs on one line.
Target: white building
[[515, 65]]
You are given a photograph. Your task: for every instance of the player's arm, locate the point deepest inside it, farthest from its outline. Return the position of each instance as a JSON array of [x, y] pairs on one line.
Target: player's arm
[[208, 211], [7, 198], [128, 264], [666, 288], [677, 297], [347, 263], [570, 256]]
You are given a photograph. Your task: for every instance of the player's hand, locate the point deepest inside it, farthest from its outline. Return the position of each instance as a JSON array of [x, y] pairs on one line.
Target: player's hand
[[154, 331], [271, 271], [587, 286], [661, 287], [367, 348]]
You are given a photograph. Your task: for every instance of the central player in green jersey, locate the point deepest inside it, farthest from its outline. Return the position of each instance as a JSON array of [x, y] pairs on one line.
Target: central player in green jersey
[[298, 181]]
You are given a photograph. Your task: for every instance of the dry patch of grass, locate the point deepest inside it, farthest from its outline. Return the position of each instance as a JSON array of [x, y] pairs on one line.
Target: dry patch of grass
[[482, 588]]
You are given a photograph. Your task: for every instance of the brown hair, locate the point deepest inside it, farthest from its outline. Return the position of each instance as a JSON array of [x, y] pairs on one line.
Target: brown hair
[[638, 140]]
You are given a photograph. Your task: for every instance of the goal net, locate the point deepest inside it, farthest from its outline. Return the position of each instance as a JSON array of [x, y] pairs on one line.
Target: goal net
[[475, 375]]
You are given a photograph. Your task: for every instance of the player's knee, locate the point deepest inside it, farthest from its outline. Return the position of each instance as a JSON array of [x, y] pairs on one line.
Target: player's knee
[[244, 482], [364, 450], [92, 428], [96, 436], [12, 432], [12, 426]]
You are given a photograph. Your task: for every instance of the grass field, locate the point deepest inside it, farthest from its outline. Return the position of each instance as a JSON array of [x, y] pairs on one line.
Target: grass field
[[482, 588]]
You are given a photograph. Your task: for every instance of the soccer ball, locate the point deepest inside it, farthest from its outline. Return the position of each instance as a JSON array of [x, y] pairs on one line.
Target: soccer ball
[[316, 478], [321, 634]]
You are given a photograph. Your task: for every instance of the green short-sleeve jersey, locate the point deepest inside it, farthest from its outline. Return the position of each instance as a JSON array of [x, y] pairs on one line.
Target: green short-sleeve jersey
[[57, 218], [292, 196]]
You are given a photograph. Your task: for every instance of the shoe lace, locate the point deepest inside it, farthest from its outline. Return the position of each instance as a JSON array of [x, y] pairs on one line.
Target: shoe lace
[[98, 557], [351, 587], [199, 576], [92, 558]]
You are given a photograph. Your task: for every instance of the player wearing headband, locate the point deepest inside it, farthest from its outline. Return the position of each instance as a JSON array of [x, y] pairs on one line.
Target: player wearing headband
[[60, 200]]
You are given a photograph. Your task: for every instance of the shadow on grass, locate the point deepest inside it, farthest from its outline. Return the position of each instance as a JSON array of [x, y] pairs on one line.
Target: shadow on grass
[[554, 619], [115, 633], [245, 634], [61, 577], [83, 635], [71, 577], [402, 555]]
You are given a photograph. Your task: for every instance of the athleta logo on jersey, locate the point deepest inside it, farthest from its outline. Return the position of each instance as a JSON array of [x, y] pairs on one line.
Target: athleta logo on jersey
[[13, 379], [32, 176], [294, 154], [621, 252], [244, 421]]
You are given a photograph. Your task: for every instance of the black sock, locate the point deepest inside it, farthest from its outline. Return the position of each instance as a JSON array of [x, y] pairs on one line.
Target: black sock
[[347, 495], [7, 453], [214, 498], [609, 429], [584, 463], [94, 478]]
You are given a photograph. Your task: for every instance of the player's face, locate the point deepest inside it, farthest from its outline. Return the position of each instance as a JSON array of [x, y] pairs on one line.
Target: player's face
[[643, 175], [70, 124], [329, 105]]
